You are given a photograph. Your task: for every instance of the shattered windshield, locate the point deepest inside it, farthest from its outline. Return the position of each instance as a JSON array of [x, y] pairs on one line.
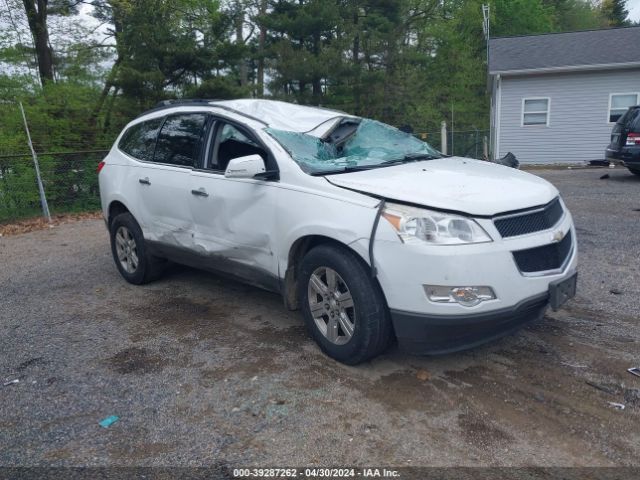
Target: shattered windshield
[[370, 144]]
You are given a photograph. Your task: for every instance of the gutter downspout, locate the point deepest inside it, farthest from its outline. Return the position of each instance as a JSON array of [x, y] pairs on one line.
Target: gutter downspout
[[496, 152]]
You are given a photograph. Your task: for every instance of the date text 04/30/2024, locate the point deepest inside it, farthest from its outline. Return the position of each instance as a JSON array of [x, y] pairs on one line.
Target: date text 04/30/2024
[[315, 473]]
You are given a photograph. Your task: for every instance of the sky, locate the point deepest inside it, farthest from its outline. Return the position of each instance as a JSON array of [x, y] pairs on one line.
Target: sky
[[634, 9]]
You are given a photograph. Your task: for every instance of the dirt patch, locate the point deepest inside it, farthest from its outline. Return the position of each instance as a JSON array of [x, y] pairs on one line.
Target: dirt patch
[[181, 314], [40, 223], [140, 451], [480, 431], [402, 392], [136, 360]]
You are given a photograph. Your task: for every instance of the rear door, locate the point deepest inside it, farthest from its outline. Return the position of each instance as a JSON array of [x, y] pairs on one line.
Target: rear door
[[164, 181], [234, 218]]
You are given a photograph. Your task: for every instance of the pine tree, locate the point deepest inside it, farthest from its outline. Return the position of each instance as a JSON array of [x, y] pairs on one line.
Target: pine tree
[[614, 13]]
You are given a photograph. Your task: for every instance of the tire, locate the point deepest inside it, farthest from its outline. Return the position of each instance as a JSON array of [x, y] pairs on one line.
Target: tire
[[634, 171], [350, 331], [133, 260]]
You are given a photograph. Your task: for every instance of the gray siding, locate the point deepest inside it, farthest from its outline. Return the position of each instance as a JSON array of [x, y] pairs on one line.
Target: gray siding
[[578, 128]]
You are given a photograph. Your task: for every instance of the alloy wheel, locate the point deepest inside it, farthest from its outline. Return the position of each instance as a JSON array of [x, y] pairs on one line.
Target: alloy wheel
[[126, 249], [331, 305]]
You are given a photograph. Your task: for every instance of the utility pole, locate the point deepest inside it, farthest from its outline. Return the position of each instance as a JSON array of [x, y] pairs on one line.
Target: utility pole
[[43, 198], [486, 26], [452, 130], [443, 137], [486, 29]]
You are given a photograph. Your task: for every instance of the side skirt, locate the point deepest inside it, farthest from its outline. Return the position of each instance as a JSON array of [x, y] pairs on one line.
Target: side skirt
[[217, 264]]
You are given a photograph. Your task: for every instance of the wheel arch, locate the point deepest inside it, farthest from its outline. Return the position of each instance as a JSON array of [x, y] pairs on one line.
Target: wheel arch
[[298, 250], [116, 207]]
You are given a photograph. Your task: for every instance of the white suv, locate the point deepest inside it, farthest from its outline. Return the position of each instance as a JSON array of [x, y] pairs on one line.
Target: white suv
[[368, 230]]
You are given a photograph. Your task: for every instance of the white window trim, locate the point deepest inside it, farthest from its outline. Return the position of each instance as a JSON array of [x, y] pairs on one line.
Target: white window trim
[[611, 95], [547, 112]]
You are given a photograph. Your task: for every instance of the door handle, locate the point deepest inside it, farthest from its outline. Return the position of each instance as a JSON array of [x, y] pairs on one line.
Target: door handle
[[201, 193], [144, 181]]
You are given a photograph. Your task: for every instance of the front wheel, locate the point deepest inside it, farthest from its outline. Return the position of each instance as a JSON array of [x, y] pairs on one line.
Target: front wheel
[[130, 253], [343, 307], [635, 171]]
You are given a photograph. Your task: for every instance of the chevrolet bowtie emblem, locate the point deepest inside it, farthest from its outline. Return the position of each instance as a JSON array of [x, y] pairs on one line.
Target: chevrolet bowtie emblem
[[557, 236]]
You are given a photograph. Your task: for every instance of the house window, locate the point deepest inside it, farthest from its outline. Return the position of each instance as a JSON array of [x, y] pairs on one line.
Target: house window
[[619, 103], [535, 111]]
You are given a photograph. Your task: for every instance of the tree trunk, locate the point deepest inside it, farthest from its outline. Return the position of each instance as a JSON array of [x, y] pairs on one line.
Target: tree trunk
[[107, 117], [36, 11], [356, 63], [112, 79], [109, 83], [316, 81], [243, 72], [261, 43]]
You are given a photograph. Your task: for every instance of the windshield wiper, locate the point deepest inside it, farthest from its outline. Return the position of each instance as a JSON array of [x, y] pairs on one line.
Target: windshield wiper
[[411, 157], [354, 168]]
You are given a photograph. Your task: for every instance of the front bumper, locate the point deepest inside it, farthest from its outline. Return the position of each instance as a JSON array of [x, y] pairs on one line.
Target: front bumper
[[424, 326], [437, 334]]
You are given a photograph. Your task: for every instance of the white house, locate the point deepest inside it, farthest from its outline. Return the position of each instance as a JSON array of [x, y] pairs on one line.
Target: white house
[[555, 97]]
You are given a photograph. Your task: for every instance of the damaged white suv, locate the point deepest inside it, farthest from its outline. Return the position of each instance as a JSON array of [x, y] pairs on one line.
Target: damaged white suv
[[372, 233]]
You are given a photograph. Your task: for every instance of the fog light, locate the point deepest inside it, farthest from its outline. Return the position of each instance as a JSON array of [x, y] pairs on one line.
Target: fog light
[[465, 296]]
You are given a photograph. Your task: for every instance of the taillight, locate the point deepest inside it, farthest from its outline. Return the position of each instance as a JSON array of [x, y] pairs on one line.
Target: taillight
[[100, 166], [633, 138]]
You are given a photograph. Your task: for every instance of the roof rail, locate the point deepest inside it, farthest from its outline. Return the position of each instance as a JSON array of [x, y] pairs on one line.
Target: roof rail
[[164, 104], [183, 101]]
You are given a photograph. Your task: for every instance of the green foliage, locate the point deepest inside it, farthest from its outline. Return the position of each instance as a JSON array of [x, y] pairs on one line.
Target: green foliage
[[57, 116], [615, 13], [406, 62], [571, 15], [522, 17]]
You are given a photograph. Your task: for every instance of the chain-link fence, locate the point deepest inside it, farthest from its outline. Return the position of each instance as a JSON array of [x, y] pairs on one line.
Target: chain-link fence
[[70, 183], [467, 143]]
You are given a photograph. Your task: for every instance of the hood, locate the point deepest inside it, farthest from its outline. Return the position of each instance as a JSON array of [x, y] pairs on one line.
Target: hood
[[459, 184]]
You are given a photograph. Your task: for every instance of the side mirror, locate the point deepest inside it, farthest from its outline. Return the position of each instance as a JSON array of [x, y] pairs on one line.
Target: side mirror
[[245, 167]]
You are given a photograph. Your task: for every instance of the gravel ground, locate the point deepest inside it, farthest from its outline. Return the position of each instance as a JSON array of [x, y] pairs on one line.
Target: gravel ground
[[205, 371]]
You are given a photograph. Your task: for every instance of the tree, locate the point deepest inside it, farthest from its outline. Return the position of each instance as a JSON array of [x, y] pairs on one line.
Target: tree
[[36, 11], [170, 48], [615, 13], [521, 17], [572, 15], [301, 38]]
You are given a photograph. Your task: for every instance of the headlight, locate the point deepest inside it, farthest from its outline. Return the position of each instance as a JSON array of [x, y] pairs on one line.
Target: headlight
[[420, 225]]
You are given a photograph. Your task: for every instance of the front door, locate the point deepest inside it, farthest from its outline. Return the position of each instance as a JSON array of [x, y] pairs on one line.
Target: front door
[[234, 219], [164, 181]]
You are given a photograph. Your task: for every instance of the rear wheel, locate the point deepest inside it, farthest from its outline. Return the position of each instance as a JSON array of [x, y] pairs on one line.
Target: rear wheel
[[343, 307], [130, 252], [635, 171]]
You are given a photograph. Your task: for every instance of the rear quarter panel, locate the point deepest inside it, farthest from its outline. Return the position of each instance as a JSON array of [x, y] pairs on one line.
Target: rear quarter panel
[[118, 182]]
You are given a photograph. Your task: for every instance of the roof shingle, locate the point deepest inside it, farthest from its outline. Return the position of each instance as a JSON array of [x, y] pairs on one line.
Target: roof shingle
[[571, 49]]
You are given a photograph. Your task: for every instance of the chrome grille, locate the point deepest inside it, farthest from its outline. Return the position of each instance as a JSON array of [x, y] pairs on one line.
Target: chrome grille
[[530, 222]]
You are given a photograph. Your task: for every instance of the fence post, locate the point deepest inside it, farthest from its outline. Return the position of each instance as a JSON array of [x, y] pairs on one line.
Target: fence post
[[43, 198], [443, 137]]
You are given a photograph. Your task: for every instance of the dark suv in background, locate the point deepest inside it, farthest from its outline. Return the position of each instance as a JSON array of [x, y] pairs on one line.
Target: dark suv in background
[[625, 141]]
